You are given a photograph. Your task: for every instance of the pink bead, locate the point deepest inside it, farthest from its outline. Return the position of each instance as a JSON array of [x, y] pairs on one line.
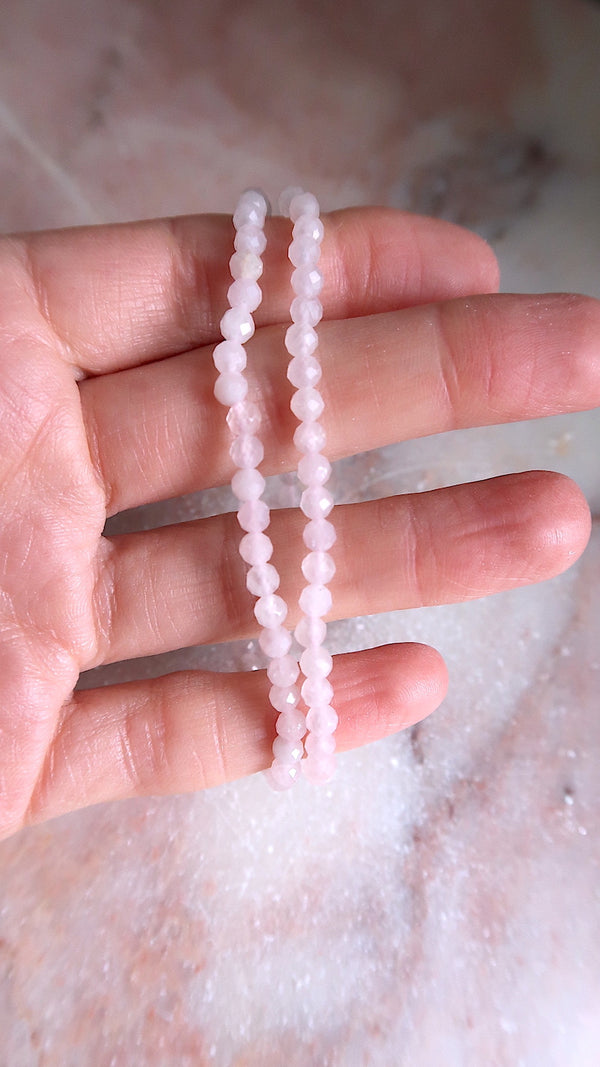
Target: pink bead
[[250, 238], [301, 340], [275, 642], [230, 388], [270, 611], [245, 293], [284, 697], [314, 469], [318, 769], [316, 662], [319, 535], [303, 204], [251, 209], [304, 253], [237, 324], [309, 312], [318, 568], [307, 281], [307, 228], [248, 484], [316, 502], [244, 417], [245, 265], [229, 357], [307, 404], [262, 579], [281, 776], [254, 516], [314, 599], [283, 671], [291, 724], [320, 744], [322, 720], [309, 437], [310, 632], [316, 691], [256, 548], [304, 371], [247, 451], [286, 751]]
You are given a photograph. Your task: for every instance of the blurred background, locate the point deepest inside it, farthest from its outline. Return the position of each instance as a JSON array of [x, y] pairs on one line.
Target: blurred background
[[438, 903]]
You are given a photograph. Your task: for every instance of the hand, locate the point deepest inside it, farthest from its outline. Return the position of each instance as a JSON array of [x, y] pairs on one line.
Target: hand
[[106, 403]]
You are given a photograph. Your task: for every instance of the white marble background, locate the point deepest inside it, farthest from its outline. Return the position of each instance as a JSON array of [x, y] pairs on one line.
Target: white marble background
[[438, 904]]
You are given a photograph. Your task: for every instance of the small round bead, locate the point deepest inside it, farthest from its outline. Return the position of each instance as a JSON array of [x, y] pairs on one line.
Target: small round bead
[[309, 437], [291, 724], [315, 599], [304, 371], [322, 720], [237, 324], [248, 484], [244, 417], [316, 662], [316, 502], [310, 632], [300, 339], [230, 388], [318, 568], [244, 292], [262, 579], [270, 611], [306, 281], [245, 265], [281, 776], [314, 469], [254, 515], [307, 404], [286, 198], [283, 671], [316, 691], [320, 744], [287, 751], [284, 697], [276, 642], [251, 209], [250, 239], [303, 204], [256, 548], [308, 228], [318, 769], [247, 451], [304, 253], [229, 357], [319, 535], [306, 312]]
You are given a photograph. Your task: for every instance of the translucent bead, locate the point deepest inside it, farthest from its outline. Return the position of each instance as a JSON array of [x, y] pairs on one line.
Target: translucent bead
[[320, 744], [314, 469], [318, 568], [244, 292], [248, 484], [301, 339], [275, 642], [262, 579], [229, 357], [230, 388], [247, 451], [322, 720], [316, 662], [286, 751], [318, 769], [283, 670], [254, 515], [315, 599], [256, 548], [281, 776], [316, 503], [306, 281], [246, 265], [250, 238], [270, 611], [251, 209], [303, 204], [303, 311], [309, 437], [307, 404], [304, 252], [307, 227], [319, 535], [316, 691], [237, 324], [286, 198], [310, 632], [291, 724], [244, 417], [304, 372], [284, 697]]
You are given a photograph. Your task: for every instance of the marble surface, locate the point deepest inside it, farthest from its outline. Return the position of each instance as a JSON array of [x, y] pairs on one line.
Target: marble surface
[[439, 902]]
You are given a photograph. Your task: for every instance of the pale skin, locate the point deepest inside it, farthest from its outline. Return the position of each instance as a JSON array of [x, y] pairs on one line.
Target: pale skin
[[106, 403]]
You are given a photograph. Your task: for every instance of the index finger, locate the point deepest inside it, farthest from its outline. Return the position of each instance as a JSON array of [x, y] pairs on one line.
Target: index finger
[[122, 295]]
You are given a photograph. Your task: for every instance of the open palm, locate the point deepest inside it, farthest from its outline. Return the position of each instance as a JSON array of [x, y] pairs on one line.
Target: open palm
[[106, 403]]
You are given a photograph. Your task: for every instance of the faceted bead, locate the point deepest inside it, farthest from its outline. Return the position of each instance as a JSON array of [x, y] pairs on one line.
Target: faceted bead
[[310, 632], [319, 535], [320, 744], [318, 568], [306, 312], [304, 371], [248, 484], [291, 724], [229, 357], [270, 611], [251, 209], [316, 502], [303, 204], [284, 697], [307, 404], [244, 292], [286, 198], [281, 776], [250, 238], [308, 227], [275, 642], [322, 720], [309, 437], [245, 265], [237, 324], [230, 388], [306, 281], [300, 339], [318, 769], [283, 670], [256, 548], [247, 451], [244, 418], [286, 751], [314, 469], [314, 599], [262, 579], [316, 662], [304, 253], [254, 515], [316, 691]]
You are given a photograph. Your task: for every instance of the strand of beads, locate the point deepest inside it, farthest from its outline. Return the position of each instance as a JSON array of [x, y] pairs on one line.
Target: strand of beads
[[243, 418], [318, 568]]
